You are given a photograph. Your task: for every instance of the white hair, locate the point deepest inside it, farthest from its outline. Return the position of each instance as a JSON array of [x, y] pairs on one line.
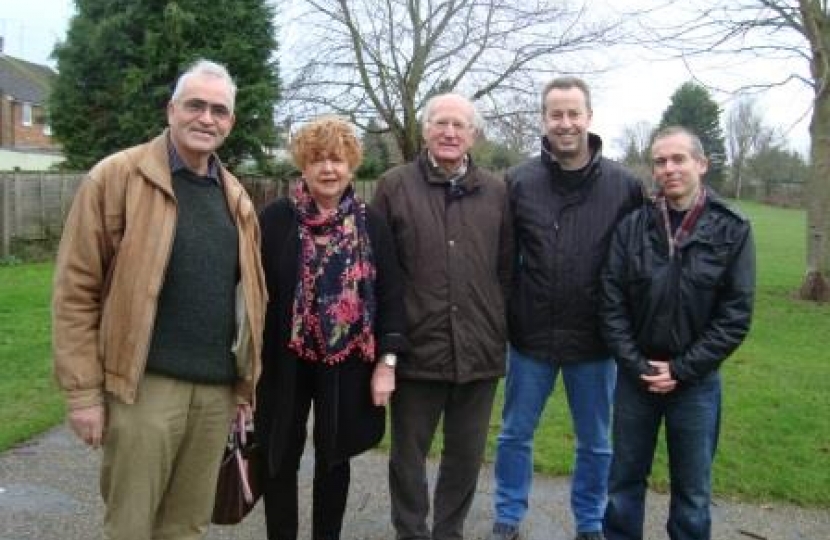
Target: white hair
[[205, 68], [478, 121]]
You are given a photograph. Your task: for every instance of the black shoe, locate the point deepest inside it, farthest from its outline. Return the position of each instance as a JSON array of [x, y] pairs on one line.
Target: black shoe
[[593, 535], [502, 531]]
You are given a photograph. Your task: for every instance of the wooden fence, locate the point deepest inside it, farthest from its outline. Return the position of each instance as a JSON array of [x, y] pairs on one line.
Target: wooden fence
[[33, 206]]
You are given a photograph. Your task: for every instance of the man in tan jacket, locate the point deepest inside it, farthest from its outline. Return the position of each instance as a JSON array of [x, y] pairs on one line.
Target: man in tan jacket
[[158, 311]]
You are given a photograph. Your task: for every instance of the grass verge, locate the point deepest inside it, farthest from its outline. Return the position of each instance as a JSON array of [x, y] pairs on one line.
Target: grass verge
[[775, 431], [775, 436], [29, 400]]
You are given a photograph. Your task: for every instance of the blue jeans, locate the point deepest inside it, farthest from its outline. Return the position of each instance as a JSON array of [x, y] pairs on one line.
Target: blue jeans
[[590, 387], [692, 417]]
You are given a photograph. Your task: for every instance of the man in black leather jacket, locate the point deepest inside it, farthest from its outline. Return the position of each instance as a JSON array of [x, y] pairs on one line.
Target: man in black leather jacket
[[678, 290]]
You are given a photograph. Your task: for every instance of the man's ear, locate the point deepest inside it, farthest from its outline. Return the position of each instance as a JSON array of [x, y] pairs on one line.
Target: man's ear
[[703, 165]]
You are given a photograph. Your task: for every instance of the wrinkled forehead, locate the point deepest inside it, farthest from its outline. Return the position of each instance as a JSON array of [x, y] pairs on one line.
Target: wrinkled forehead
[[451, 108], [207, 88]]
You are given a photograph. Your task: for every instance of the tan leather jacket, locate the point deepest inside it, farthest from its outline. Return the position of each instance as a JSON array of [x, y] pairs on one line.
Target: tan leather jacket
[[110, 269]]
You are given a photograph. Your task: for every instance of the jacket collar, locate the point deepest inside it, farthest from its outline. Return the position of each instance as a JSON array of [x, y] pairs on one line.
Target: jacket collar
[[708, 219], [594, 147], [468, 181], [177, 163], [154, 165]]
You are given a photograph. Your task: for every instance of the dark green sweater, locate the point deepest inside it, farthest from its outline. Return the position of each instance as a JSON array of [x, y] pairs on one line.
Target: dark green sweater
[[195, 321]]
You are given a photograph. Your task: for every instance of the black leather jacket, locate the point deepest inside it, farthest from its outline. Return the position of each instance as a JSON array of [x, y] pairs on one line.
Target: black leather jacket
[[562, 230], [693, 309]]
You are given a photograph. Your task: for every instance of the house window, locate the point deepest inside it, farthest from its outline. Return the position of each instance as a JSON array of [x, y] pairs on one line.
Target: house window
[[47, 130], [27, 114]]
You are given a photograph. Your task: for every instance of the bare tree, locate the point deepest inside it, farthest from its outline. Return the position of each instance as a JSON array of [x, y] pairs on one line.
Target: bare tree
[[745, 135], [635, 142], [385, 58], [516, 121], [797, 34]]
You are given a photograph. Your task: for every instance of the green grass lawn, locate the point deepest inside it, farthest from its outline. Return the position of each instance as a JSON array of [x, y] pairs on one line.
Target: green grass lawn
[[775, 436], [29, 401], [775, 431]]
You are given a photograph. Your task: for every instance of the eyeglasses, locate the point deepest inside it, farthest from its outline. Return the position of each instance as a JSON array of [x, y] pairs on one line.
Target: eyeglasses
[[199, 106], [445, 125]]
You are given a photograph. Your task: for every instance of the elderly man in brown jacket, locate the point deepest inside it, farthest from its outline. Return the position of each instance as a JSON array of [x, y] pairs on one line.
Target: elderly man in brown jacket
[[158, 311], [452, 231]]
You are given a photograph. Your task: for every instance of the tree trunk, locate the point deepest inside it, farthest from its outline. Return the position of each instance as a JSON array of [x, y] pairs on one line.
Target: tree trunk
[[815, 27], [738, 185], [816, 286]]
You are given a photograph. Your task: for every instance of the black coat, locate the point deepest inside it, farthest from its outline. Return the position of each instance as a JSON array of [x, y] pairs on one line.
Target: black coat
[[694, 308], [562, 233], [351, 422]]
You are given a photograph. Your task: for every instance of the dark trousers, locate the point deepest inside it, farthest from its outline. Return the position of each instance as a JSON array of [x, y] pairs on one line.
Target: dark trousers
[[331, 480], [692, 417], [417, 407]]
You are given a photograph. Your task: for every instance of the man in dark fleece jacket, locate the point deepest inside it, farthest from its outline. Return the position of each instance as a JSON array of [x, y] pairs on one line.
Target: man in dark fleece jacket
[[565, 205]]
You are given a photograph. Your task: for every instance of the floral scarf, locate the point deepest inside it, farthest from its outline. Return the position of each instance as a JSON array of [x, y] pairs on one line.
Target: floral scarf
[[334, 300]]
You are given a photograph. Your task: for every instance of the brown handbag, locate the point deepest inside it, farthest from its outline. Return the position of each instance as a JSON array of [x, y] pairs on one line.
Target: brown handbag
[[238, 488]]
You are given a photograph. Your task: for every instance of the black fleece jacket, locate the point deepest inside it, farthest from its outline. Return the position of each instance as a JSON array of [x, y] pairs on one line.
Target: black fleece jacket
[[562, 228]]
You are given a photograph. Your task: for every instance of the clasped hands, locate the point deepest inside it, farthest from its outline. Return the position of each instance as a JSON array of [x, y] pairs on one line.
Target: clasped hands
[[661, 381]]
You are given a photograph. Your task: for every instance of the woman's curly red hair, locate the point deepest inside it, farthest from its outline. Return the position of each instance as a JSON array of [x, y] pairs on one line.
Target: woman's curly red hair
[[328, 136]]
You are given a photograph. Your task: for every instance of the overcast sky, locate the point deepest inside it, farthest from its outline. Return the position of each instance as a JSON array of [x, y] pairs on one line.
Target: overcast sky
[[639, 91]]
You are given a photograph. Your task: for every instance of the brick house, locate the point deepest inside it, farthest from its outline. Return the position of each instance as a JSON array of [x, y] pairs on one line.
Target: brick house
[[24, 92]]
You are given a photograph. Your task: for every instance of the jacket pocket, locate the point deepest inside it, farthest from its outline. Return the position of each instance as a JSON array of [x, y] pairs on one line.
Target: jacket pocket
[[707, 264]]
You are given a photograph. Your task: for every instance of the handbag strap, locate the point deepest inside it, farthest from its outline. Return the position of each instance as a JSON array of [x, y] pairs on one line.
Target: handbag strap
[[242, 434], [240, 427], [243, 475]]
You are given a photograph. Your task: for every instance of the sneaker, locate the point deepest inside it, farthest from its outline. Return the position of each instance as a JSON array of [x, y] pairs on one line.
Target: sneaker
[[503, 531], [593, 535]]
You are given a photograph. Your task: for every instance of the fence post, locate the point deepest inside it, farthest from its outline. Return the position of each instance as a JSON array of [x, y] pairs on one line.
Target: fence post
[[6, 225], [44, 227], [17, 190]]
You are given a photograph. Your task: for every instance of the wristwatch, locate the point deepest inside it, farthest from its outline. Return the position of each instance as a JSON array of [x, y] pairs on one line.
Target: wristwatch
[[390, 359]]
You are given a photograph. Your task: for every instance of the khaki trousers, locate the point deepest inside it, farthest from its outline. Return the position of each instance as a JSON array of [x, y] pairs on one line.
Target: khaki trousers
[[161, 459]]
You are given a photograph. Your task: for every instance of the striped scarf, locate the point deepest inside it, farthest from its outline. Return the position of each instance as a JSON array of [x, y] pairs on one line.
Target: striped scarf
[[688, 223]]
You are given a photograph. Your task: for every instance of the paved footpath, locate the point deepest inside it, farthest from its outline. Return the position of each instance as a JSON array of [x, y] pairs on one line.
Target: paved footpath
[[48, 491]]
